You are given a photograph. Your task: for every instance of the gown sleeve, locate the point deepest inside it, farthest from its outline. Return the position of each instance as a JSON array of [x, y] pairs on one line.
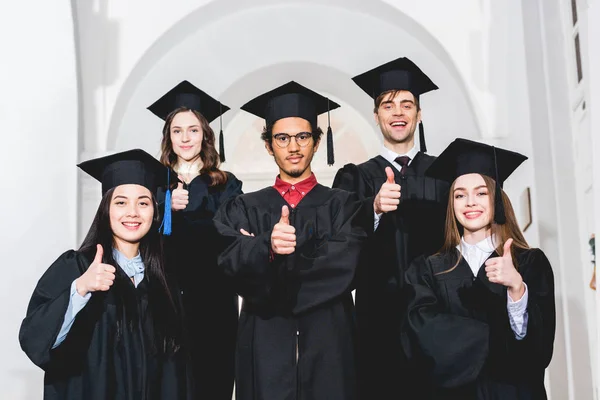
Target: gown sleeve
[[47, 307], [535, 350], [454, 348], [245, 258]]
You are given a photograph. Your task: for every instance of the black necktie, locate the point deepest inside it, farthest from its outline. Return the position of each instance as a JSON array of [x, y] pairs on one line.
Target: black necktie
[[403, 161]]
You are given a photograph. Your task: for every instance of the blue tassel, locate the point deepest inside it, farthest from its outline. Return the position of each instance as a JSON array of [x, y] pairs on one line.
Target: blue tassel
[[166, 222]]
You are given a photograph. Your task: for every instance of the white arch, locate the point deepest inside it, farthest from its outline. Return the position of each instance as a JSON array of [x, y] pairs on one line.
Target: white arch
[[383, 14]]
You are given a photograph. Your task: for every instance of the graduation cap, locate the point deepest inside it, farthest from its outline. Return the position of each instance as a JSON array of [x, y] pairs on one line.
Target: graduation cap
[[189, 96], [464, 156], [294, 100], [133, 167], [399, 74]]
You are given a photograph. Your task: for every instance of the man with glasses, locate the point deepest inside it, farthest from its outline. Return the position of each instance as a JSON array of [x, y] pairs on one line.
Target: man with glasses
[[292, 251]]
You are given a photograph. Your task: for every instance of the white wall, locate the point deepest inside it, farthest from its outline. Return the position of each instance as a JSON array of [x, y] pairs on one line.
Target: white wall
[[38, 202], [593, 71]]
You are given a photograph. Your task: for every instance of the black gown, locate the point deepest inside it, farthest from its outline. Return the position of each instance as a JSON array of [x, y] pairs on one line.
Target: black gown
[[296, 328], [461, 329], [414, 229], [102, 357], [209, 299]]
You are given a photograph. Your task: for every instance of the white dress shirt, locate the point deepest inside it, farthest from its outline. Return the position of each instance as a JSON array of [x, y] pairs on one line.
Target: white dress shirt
[[391, 157], [476, 255]]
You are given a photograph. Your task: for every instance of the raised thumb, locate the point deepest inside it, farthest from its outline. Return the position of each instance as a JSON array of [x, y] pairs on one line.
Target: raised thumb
[[507, 245], [390, 175], [99, 254], [285, 215]]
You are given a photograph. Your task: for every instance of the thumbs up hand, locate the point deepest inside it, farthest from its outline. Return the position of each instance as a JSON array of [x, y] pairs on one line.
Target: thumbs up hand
[[283, 237], [98, 277], [388, 197], [502, 271], [179, 198]]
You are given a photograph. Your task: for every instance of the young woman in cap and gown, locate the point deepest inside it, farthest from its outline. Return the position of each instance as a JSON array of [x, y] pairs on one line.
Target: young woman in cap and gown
[[209, 299], [481, 311], [103, 322]]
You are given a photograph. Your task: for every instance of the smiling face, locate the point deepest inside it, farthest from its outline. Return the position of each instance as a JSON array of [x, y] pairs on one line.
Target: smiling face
[[293, 161], [397, 116], [131, 212], [186, 136], [472, 204]]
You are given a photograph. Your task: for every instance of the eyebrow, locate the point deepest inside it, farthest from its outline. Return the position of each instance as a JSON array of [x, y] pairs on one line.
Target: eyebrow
[[401, 102], [190, 126], [120, 196], [478, 187]]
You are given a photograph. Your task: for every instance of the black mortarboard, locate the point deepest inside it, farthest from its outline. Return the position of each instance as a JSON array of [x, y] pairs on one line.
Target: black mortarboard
[[464, 156], [132, 167], [293, 100], [399, 74], [187, 95]]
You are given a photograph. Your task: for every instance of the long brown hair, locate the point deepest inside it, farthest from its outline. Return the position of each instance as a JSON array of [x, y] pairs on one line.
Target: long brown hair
[[208, 154], [454, 231]]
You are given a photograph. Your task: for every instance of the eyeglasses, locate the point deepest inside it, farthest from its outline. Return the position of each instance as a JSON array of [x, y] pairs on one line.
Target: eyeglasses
[[282, 140]]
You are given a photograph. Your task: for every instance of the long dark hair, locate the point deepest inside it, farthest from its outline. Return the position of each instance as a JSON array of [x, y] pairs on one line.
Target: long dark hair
[[166, 333], [208, 153], [454, 231]]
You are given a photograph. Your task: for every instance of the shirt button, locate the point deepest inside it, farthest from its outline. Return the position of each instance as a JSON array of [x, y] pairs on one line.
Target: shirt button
[[302, 193], [283, 192], [182, 292], [293, 188], [292, 205]]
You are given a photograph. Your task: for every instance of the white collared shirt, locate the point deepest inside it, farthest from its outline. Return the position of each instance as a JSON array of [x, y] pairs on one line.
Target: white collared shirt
[[475, 255], [391, 156]]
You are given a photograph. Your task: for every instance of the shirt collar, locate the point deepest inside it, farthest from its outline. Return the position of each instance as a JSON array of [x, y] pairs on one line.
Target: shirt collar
[[303, 186], [486, 245], [391, 156], [132, 267]]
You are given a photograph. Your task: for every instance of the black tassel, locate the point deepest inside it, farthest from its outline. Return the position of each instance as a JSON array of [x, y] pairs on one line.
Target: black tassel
[[221, 147], [422, 137], [330, 158], [499, 214], [221, 140]]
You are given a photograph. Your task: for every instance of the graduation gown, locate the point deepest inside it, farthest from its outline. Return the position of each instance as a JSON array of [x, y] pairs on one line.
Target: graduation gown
[[415, 228], [209, 299], [101, 357], [296, 328], [461, 326]]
